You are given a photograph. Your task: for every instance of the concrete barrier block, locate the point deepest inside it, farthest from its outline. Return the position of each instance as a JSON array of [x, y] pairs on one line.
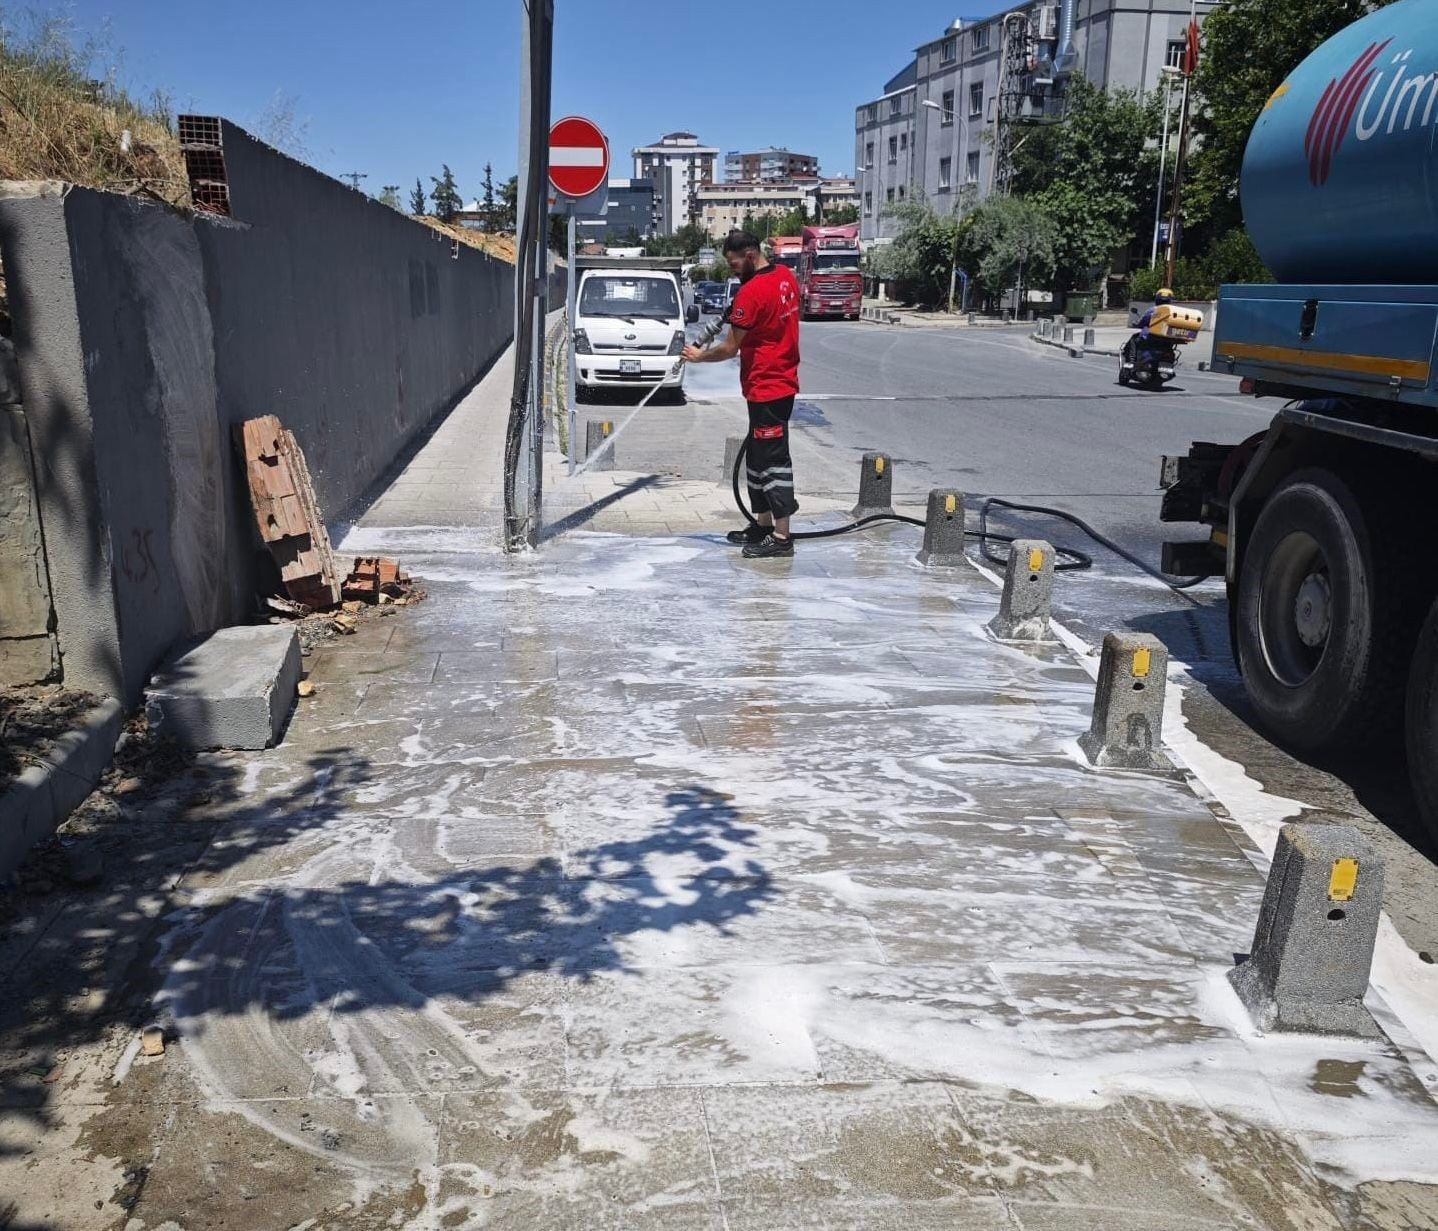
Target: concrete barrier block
[[1068, 333], [231, 689], [1028, 592], [876, 485], [596, 432], [944, 530], [732, 445], [1313, 947], [1127, 728], [1089, 339]]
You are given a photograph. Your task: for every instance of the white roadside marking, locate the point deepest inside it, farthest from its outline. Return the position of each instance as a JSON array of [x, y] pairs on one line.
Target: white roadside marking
[[1407, 985]]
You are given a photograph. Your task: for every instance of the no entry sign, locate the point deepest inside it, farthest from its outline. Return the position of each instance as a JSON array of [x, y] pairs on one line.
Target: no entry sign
[[578, 157]]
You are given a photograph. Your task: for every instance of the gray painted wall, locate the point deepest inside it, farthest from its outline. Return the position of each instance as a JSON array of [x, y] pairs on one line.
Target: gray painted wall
[[144, 335]]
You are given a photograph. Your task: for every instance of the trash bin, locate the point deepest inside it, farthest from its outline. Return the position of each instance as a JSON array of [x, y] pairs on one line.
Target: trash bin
[[1082, 306]]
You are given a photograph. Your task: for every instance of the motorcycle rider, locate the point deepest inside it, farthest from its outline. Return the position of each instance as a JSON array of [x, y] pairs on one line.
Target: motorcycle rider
[[1162, 299]]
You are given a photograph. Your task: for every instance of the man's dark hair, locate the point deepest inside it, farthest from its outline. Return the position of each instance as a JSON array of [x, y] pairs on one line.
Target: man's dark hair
[[741, 241]]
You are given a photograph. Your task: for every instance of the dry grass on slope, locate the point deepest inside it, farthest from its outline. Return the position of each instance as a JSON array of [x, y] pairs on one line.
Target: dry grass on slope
[[58, 122]]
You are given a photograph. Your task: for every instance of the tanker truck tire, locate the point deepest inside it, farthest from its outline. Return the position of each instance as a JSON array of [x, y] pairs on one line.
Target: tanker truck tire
[[1421, 723], [1320, 620]]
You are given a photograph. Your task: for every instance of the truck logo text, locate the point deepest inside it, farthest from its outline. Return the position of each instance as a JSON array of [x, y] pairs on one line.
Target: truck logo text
[[1335, 110]]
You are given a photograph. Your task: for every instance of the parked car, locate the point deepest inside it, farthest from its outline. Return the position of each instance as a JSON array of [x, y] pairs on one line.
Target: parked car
[[714, 300], [630, 324]]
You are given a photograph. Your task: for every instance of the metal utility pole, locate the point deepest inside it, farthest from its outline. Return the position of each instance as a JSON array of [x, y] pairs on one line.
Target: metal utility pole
[[354, 177], [1190, 65], [524, 439], [1162, 163]]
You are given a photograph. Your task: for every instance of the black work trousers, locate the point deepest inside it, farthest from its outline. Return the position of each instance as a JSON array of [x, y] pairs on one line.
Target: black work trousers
[[770, 468]]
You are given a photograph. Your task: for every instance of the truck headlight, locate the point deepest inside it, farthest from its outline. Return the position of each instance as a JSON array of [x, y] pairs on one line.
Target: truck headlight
[[676, 346], [581, 343]]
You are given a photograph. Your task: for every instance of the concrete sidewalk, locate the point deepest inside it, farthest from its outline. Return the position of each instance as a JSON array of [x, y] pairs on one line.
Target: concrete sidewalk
[[630, 885], [1109, 341]]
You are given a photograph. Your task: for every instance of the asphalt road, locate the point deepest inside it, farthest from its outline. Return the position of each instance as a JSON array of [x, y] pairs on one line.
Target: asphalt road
[[994, 414]]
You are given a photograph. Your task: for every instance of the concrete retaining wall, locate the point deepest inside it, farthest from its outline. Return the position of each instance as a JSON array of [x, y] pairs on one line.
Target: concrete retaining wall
[[144, 335], [27, 650]]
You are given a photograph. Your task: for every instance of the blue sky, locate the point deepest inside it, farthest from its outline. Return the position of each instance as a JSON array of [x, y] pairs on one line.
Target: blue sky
[[395, 90]]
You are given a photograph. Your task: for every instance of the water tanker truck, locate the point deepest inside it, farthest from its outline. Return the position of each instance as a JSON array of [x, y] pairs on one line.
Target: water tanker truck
[[1325, 525]]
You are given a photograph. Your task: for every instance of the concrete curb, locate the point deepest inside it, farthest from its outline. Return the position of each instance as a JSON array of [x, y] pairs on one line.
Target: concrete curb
[[44, 795], [1076, 352], [877, 317]]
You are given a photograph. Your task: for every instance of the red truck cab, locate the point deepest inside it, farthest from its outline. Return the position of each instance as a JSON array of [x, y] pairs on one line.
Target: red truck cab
[[830, 281], [788, 251]]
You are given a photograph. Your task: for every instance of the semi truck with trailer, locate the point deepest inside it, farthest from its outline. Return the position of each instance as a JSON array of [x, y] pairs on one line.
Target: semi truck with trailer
[[830, 279], [1324, 526]]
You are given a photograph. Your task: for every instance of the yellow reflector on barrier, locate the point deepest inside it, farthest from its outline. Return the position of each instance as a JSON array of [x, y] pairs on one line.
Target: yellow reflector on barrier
[[1036, 560], [1343, 880], [608, 427], [1142, 662], [878, 465], [950, 504]]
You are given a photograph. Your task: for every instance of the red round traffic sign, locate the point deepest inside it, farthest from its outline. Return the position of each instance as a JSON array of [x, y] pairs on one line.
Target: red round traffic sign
[[578, 156]]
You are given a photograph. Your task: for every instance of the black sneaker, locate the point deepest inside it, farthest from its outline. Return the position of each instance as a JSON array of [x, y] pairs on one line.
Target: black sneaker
[[770, 547], [750, 534]]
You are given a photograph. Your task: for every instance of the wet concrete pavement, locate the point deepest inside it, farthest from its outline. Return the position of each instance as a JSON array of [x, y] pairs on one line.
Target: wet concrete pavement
[[631, 885]]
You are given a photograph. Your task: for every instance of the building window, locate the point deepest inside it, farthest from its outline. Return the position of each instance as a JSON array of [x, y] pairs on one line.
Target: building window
[[896, 106], [1173, 58], [951, 50], [981, 38], [976, 100], [869, 156], [946, 112], [946, 174], [874, 113], [901, 192], [971, 172], [868, 203], [903, 141], [893, 149], [889, 196]]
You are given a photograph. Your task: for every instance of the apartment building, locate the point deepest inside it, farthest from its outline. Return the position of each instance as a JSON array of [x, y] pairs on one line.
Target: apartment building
[[931, 130], [769, 166], [722, 207], [678, 165]]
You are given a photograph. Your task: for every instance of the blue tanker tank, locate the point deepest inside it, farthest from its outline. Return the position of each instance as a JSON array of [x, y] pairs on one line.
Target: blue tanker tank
[[1340, 196], [1340, 182]]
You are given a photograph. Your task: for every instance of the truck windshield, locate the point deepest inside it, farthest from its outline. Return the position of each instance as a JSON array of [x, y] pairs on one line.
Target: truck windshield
[[837, 263], [621, 295]]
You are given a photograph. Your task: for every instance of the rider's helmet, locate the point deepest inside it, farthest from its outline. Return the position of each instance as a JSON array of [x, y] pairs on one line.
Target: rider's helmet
[[1164, 296]]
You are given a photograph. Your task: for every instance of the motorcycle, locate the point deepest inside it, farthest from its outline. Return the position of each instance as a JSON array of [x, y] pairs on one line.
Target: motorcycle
[[1149, 361]]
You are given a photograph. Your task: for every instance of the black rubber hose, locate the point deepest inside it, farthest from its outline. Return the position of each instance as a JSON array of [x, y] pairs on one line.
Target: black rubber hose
[[1075, 560], [1098, 537]]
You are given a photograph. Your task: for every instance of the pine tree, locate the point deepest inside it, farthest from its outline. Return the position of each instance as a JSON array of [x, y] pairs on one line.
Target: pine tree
[[487, 202], [416, 198], [445, 195]]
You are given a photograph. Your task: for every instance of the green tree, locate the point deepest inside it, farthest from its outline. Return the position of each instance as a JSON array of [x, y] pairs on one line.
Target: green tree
[[1249, 50], [389, 195], [487, 203], [921, 258], [445, 195], [416, 199], [841, 215], [1091, 175], [509, 198], [1009, 242]]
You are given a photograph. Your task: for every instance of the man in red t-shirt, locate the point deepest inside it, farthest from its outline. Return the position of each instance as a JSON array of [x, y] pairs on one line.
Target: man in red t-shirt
[[764, 333]]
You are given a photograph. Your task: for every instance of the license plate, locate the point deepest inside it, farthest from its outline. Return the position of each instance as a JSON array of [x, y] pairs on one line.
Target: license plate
[[629, 367]]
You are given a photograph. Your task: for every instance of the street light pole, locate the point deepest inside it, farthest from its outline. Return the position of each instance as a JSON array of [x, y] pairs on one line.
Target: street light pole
[[946, 115]]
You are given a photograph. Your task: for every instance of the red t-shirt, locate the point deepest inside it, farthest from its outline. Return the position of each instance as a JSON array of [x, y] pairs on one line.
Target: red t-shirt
[[767, 309]]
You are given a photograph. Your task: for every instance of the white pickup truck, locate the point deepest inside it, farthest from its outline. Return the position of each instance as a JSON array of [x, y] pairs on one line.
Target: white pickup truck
[[629, 324]]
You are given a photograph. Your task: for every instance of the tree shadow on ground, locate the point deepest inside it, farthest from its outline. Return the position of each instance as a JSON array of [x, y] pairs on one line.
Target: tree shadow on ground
[[82, 969]]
